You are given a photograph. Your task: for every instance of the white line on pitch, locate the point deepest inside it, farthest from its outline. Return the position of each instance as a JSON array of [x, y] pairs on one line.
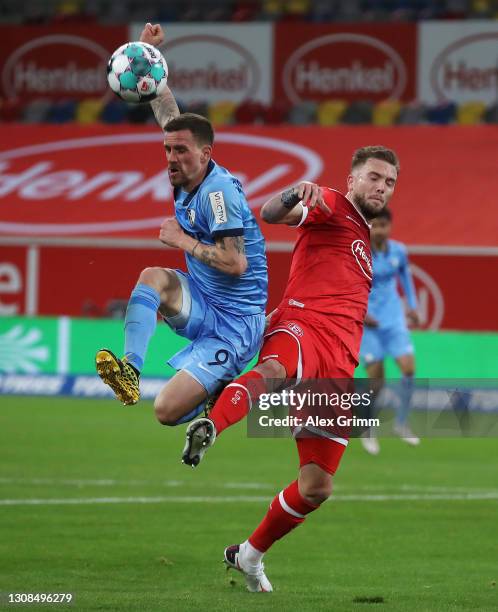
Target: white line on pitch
[[241, 499], [111, 482]]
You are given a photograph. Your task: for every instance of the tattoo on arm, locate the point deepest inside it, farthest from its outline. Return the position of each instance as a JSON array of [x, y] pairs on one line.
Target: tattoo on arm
[[238, 244], [211, 256], [165, 108]]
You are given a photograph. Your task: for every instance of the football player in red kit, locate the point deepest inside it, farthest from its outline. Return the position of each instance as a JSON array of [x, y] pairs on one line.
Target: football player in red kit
[[314, 333]]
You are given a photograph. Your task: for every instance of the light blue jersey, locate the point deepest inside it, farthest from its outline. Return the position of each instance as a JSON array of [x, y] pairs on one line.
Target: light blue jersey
[[385, 303], [218, 208], [391, 337], [223, 314]]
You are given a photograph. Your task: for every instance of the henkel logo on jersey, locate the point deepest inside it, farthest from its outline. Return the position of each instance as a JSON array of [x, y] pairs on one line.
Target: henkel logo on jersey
[[362, 255], [218, 64], [117, 184], [429, 298], [55, 63], [354, 64]]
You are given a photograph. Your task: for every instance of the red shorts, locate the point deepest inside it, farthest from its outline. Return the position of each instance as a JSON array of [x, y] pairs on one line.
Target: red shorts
[[305, 349], [308, 351], [323, 452]]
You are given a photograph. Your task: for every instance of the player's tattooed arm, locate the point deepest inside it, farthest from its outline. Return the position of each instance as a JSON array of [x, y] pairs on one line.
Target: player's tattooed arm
[[164, 107], [287, 207], [226, 255]]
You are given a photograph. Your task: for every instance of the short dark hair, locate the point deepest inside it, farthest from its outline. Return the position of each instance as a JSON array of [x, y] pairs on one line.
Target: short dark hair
[[201, 128], [385, 213], [361, 156]]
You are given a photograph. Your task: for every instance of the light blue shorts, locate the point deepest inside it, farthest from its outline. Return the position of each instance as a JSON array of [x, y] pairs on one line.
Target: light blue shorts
[[379, 343], [223, 343]]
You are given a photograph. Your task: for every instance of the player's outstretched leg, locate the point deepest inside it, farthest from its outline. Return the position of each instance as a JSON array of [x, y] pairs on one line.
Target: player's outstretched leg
[[289, 508], [119, 375]]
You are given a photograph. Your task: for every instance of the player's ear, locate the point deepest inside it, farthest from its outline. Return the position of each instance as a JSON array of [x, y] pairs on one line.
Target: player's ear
[[206, 152], [350, 181]]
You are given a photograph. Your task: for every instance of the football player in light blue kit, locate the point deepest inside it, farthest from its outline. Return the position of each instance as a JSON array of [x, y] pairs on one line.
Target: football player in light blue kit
[[219, 304], [386, 332]]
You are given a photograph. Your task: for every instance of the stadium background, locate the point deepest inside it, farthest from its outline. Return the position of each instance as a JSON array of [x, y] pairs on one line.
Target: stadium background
[[292, 88]]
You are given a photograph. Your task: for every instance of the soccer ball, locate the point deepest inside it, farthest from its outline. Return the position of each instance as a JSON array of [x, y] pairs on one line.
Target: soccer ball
[[137, 72]]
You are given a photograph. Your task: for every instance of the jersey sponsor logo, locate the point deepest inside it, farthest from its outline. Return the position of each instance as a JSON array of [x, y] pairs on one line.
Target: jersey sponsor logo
[[218, 205], [362, 256], [191, 216]]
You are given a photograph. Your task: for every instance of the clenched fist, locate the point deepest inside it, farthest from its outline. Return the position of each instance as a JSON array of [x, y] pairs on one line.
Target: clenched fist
[[152, 34], [171, 233]]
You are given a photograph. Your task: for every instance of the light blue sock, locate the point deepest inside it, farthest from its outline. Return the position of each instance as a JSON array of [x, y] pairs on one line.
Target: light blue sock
[[405, 397], [140, 323]]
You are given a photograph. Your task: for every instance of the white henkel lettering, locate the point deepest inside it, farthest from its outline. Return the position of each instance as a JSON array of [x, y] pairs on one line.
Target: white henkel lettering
[[361, 254], [32, 78], [313, 77]]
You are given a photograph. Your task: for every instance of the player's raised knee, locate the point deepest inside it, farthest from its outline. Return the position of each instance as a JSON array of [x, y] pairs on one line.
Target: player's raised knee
[[166, 413], [159, 278]]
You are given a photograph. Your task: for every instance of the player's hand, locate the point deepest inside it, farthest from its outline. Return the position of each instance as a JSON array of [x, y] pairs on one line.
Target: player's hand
[[370, 321], [171, 233], [152, 34], [412, 318], [311, 195]]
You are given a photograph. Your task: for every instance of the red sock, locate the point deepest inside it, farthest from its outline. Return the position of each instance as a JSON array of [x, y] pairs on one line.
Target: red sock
[[287, 510], [235, 401]]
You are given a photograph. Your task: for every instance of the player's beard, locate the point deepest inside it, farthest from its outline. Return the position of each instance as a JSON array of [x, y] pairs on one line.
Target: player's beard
[[368, 209], [178, 179]]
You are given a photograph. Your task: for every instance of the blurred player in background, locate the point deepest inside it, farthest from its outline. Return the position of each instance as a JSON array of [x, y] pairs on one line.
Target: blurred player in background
[[314, 333], [386, 331], [220, 303]]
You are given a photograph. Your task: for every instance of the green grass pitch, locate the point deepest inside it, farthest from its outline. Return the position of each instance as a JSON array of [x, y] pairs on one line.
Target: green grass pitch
[[417, 527]]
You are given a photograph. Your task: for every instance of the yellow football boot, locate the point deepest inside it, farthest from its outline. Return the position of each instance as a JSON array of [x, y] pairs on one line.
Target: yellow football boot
[[119, 375]]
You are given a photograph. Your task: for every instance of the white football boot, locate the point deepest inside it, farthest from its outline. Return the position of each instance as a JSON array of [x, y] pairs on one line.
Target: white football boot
[[255, 576], [370, 442]]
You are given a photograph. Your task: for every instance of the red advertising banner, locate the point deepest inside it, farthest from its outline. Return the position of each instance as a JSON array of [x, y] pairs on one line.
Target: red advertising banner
[[67, 181], [453, 291], [350, 62], [13, 280], [56, 62]]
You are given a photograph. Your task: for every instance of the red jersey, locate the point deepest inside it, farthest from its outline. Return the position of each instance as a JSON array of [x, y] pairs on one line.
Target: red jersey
[[331, 270]]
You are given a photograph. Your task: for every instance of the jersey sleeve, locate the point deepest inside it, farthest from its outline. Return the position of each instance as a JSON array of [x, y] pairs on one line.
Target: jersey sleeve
[[222, 205], [406, 279], [317, 215]]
